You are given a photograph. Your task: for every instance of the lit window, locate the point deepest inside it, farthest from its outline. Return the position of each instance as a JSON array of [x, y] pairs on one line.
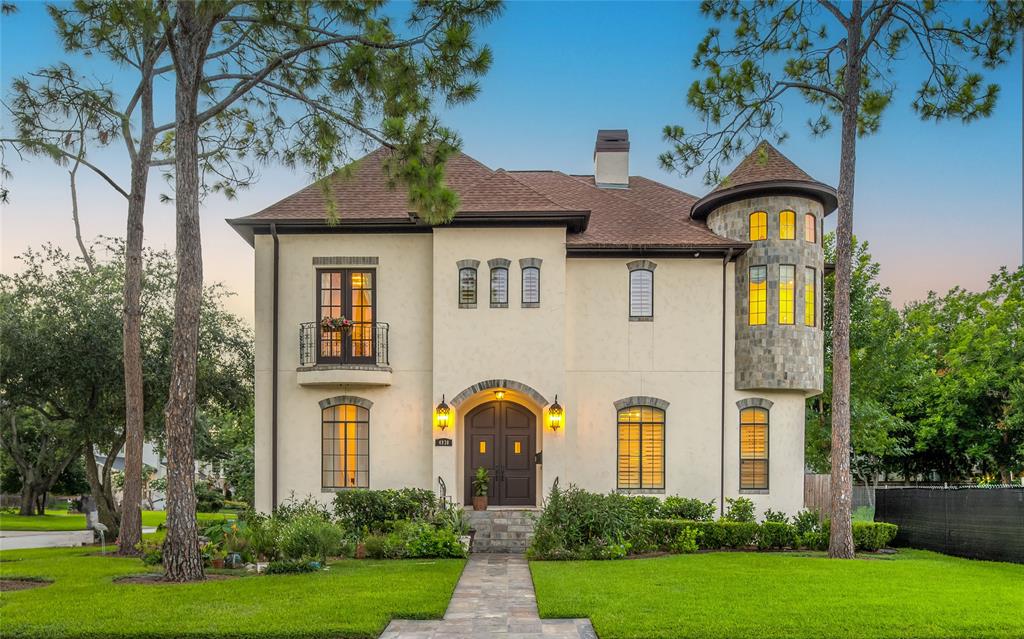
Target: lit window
[[758, 295], [499, 286], [531, 285], [787, 290], [641, 447], [467, 285], [810, 228], [758, 226], [346, 446], [349, 294], [787, 225], [641, 293], [754, 449], [810, 286]]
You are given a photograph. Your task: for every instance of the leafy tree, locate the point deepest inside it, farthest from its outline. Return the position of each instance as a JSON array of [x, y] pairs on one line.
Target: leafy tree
[[842, 60], [225, 438], [37, 453]]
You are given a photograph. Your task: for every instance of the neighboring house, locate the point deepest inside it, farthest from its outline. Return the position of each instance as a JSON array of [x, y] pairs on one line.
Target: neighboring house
[[679, 336], [152, 499]]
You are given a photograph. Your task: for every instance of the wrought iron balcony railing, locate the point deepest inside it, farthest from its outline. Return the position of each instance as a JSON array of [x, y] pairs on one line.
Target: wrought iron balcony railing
[[361, 343]]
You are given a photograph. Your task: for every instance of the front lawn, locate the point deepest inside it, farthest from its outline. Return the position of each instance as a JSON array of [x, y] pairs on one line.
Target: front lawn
[[351, 599], [742, 595], [62, 520]]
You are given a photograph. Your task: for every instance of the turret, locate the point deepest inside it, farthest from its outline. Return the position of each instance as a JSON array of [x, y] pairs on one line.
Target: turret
[[771, 203]]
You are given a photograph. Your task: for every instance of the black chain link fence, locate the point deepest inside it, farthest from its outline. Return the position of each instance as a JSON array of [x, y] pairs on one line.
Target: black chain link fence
[[974, 522]]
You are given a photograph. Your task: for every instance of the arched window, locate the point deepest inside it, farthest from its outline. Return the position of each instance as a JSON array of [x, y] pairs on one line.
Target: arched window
[[754, 449], [758, 295], [787, 293], [499, 287], [346, 446], [641, 293], [531, 285], [467, 283], [810, 288], [758, 226], [641, 453], [810, 228], [787, 225]]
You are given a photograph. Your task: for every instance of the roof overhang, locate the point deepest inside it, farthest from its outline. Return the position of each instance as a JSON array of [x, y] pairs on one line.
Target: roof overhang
[[665, 250], [815, 190]]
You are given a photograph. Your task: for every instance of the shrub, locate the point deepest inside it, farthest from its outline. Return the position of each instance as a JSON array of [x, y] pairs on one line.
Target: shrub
[[452, 518], [873, 536], [286, 566], [428, 541], [580, 524], [262, 533], [737, 534], [152, 552], [807, 521], [235, 505], [776, 535], [661, 534], [375, 510], [687, 508], [740, 509], [775, 516], [310, 536], [686, 541], [293, 508], [207, 499]]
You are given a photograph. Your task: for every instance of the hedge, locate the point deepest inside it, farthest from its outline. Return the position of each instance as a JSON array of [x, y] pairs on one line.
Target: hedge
[[715, 535]]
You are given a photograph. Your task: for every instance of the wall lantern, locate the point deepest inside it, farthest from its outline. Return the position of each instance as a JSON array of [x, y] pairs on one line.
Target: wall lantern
[[500, 394], [442, 413], [555, 415]]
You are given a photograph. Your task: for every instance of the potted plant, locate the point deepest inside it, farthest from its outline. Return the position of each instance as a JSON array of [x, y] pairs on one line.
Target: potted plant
[[481, 484], [330, 324], [217, 557]]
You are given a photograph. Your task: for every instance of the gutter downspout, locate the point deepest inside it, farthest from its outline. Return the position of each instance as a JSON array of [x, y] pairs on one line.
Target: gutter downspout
[[721, 486], [273, 377]]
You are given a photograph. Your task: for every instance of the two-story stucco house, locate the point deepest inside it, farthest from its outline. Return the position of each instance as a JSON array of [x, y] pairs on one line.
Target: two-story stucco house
[[605, 330]]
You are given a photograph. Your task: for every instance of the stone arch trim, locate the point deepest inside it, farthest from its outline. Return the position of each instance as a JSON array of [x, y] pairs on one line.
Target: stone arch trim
[[508, 384], [645, 265], [338, 400], [499, 262], [641, 400], [473, 264], [528, 262], [755, 402]]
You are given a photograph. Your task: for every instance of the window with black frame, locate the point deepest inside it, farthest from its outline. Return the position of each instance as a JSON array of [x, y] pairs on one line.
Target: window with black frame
[[641, 448], [499, 287], [346, 447], [754, 449], [467, 286], [346, 315]]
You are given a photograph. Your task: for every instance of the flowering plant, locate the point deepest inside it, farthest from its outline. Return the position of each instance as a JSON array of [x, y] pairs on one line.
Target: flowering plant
[[335, 323]]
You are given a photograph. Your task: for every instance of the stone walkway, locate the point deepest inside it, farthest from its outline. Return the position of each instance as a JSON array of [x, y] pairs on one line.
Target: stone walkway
[[494, 598]]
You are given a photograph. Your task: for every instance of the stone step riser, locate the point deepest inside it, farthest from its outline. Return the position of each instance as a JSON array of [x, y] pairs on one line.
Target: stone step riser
[[502, 531]]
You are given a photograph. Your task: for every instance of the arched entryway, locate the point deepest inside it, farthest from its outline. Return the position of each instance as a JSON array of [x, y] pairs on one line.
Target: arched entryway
[[501, 436]]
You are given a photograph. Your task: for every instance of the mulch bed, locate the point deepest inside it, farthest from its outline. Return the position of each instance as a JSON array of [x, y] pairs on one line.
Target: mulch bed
[[11, 585], [157, 579]]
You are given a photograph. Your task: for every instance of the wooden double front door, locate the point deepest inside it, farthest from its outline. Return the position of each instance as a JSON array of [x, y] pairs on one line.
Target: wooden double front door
[[501, 436]]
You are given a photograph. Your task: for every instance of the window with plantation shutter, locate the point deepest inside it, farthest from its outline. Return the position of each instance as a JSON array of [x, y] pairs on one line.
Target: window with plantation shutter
[[641, 293], [641, 450], [754, 449], [531, 285]]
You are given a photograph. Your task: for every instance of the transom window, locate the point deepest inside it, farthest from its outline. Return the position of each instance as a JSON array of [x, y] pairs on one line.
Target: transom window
[[467, 285], [758, 226], [531, 285], [787, 225], [810, 287], [758, 295], [346, 446], [499, 286], [641, 293], [641, 455], [810, 228], [787, 293], [349, 294], [754, 449]]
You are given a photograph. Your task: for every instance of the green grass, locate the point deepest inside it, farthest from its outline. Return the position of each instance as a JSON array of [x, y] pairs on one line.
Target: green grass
[[62, 520], [351, 599], [864, 513], [915, 594]]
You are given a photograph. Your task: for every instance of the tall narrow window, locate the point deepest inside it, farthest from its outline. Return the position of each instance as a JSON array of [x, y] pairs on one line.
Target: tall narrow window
[[467, 286], [641, 462], [754, 449], [499, 287], [758, 226], [531, 285], [346, 446], [810, 287], [787, 293], [348, 294], [758, 295], [641, 293], [810, 228], [787, 225]]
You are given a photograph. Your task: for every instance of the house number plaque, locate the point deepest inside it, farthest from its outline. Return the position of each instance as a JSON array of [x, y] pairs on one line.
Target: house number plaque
[[443, 441]]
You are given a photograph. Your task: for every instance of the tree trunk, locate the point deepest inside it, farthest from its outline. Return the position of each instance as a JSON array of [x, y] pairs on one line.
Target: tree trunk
[[131, 504], [182, 559], [28, 499], [841, 538], [105, 509]]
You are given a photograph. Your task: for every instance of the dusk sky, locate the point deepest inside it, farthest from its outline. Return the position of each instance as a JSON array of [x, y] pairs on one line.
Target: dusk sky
[[941, 204]]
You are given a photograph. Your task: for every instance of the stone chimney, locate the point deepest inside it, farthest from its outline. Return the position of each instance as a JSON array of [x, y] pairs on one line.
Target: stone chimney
[[611, 159]]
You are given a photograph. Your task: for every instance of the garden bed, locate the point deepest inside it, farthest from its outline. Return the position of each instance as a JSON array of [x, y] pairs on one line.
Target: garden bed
[[11, 585]]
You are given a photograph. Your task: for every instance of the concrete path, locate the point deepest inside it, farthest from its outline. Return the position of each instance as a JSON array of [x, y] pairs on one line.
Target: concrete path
[[494, 598], [20, 539]]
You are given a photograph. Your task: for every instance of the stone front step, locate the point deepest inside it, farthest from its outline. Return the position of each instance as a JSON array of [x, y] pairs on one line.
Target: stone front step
[[502, 531]]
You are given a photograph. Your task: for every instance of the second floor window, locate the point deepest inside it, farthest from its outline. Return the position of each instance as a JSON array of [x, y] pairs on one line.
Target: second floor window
[[758, 295], [758, 226], [787, 293], [641, 293], [810, 228], [499, 286], [810, 287], [467, 285], [787, 225], [531, 285], [348, 294]]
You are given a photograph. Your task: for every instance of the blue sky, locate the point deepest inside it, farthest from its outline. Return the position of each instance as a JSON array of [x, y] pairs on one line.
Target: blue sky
[[941, 204]]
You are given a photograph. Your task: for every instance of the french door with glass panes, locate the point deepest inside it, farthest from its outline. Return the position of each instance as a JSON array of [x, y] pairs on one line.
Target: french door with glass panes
[[348, 293]]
